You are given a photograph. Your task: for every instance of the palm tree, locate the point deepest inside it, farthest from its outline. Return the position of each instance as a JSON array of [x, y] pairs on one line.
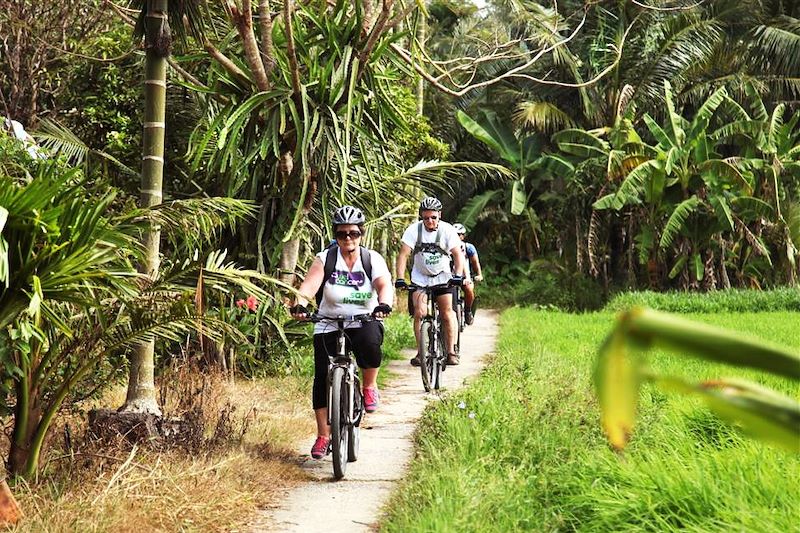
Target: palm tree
[[154, 26], [306, 121]]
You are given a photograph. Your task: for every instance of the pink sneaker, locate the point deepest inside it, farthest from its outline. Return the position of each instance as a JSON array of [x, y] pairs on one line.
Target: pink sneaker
[[321, 447], [371, 399]]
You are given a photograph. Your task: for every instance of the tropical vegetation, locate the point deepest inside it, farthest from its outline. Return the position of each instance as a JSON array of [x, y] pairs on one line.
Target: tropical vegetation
[[190, 155]]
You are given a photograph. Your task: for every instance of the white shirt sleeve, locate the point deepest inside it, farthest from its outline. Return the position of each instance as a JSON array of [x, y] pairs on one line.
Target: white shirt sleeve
[[410, 235], [379, 267]]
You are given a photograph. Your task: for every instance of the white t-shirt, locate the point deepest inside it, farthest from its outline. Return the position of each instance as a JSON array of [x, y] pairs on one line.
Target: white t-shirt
[[431, 267], [349, 292]]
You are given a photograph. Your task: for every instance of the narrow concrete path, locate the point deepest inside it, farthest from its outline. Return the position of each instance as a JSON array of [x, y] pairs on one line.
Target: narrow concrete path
[[354, 503]]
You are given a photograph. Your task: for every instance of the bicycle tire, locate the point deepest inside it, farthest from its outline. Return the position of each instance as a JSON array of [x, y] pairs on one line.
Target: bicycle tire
[[460, 328], [353, 431], [424, 353], [339, 433], [460, 314], [439, 359]]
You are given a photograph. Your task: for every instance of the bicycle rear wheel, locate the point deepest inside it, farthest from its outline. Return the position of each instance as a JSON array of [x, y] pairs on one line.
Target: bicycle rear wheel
[[425, 336], [338, 414]]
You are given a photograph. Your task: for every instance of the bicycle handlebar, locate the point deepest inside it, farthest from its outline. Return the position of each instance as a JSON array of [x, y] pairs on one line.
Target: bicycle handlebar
[[316, 317], [448, 285]]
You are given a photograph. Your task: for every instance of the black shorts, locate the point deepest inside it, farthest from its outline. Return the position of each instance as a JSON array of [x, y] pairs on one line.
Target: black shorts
[[436, 292], [365, 343]]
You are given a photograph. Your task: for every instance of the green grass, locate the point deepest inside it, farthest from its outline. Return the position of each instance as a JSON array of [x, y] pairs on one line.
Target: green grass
[[525, 453], [734, 300]]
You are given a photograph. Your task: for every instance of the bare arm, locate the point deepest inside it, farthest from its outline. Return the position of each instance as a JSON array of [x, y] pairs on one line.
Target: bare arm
[[383, 285], [402, 259], [458, 262], [308, 289], [476, 267]]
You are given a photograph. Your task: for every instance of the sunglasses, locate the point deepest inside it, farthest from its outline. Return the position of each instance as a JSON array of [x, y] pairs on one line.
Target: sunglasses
[[342, 235], [432, 217]]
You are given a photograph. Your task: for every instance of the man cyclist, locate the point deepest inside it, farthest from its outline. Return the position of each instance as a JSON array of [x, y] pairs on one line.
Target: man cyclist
[[432, 242], [473, 268], [351, 288]]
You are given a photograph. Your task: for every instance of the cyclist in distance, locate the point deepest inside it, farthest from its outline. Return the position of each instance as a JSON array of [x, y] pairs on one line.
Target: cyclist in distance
[[432, 243], [474, 269], [358, 282]]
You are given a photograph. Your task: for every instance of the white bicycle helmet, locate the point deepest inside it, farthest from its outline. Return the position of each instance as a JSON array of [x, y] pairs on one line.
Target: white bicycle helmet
[[460, 229], [347, 214], [429, 203]]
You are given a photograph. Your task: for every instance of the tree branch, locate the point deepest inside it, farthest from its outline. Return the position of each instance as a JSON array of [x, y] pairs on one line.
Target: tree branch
[[374, 35], [288, 9], [226, 63], [267, 47], [244, 24], [514, 72]]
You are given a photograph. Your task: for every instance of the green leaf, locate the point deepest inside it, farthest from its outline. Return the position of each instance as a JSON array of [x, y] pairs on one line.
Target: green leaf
[[723, 212], [697, 263], [518, 197], [489, 130], [580, 143], [617, 380], [475, 206], [712, 343], [677, 221], [677, 268]]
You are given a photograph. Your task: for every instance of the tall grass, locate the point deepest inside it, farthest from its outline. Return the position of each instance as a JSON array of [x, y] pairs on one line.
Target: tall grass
[[730, 301], [522, 450]]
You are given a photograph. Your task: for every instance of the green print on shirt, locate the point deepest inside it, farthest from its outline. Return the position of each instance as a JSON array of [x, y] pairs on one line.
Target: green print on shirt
[[358, 298], [432, 259]]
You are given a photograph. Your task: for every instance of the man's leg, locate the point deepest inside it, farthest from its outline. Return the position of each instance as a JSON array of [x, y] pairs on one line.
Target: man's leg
[[450, 321], [420, 308], [469, 299]]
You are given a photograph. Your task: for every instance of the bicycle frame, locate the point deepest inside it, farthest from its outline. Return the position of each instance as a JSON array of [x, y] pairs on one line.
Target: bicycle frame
[[343, 391], [434, 360]]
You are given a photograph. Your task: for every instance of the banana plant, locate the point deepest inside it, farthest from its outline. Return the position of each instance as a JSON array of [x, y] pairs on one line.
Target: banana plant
[[688, 190], [523, 153], [622, 368]]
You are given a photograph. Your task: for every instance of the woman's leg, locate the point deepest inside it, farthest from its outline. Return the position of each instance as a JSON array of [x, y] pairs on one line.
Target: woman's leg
[[323, 345]]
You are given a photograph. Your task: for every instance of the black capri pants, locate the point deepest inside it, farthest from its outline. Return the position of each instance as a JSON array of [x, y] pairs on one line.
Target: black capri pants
[[365, 343]]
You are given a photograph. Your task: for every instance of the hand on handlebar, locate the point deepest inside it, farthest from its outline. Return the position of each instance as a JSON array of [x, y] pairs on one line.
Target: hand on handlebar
[[458, 281], [381, 310], [400, 283], [479, 277], [299, 312]]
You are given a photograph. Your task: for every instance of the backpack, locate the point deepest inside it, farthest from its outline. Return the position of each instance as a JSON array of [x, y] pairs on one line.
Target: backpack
[[330, 265], [435, 246]]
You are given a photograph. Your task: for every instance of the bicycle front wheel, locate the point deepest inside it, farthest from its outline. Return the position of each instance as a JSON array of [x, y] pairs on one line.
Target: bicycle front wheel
[[425, 352], [338, 413]]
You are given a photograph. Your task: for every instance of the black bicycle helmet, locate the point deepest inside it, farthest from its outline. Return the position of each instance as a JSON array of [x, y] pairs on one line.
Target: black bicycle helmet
[[429, 203], [347, 214], [460, 229]]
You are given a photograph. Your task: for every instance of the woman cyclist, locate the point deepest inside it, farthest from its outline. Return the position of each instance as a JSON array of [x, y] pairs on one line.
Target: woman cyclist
[[348, 291]]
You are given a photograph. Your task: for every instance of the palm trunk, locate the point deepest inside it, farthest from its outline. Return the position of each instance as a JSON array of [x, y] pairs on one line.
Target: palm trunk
[[141, 396], [420, 92]]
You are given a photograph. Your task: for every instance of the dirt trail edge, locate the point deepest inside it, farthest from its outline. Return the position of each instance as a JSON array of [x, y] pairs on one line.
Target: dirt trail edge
[[354, 503]]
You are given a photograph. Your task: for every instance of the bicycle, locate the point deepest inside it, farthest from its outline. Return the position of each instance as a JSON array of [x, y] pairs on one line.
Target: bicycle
[[431, 346], [345, 399]]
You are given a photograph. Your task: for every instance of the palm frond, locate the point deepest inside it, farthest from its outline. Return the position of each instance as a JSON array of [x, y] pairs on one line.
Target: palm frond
[[545, 117]]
